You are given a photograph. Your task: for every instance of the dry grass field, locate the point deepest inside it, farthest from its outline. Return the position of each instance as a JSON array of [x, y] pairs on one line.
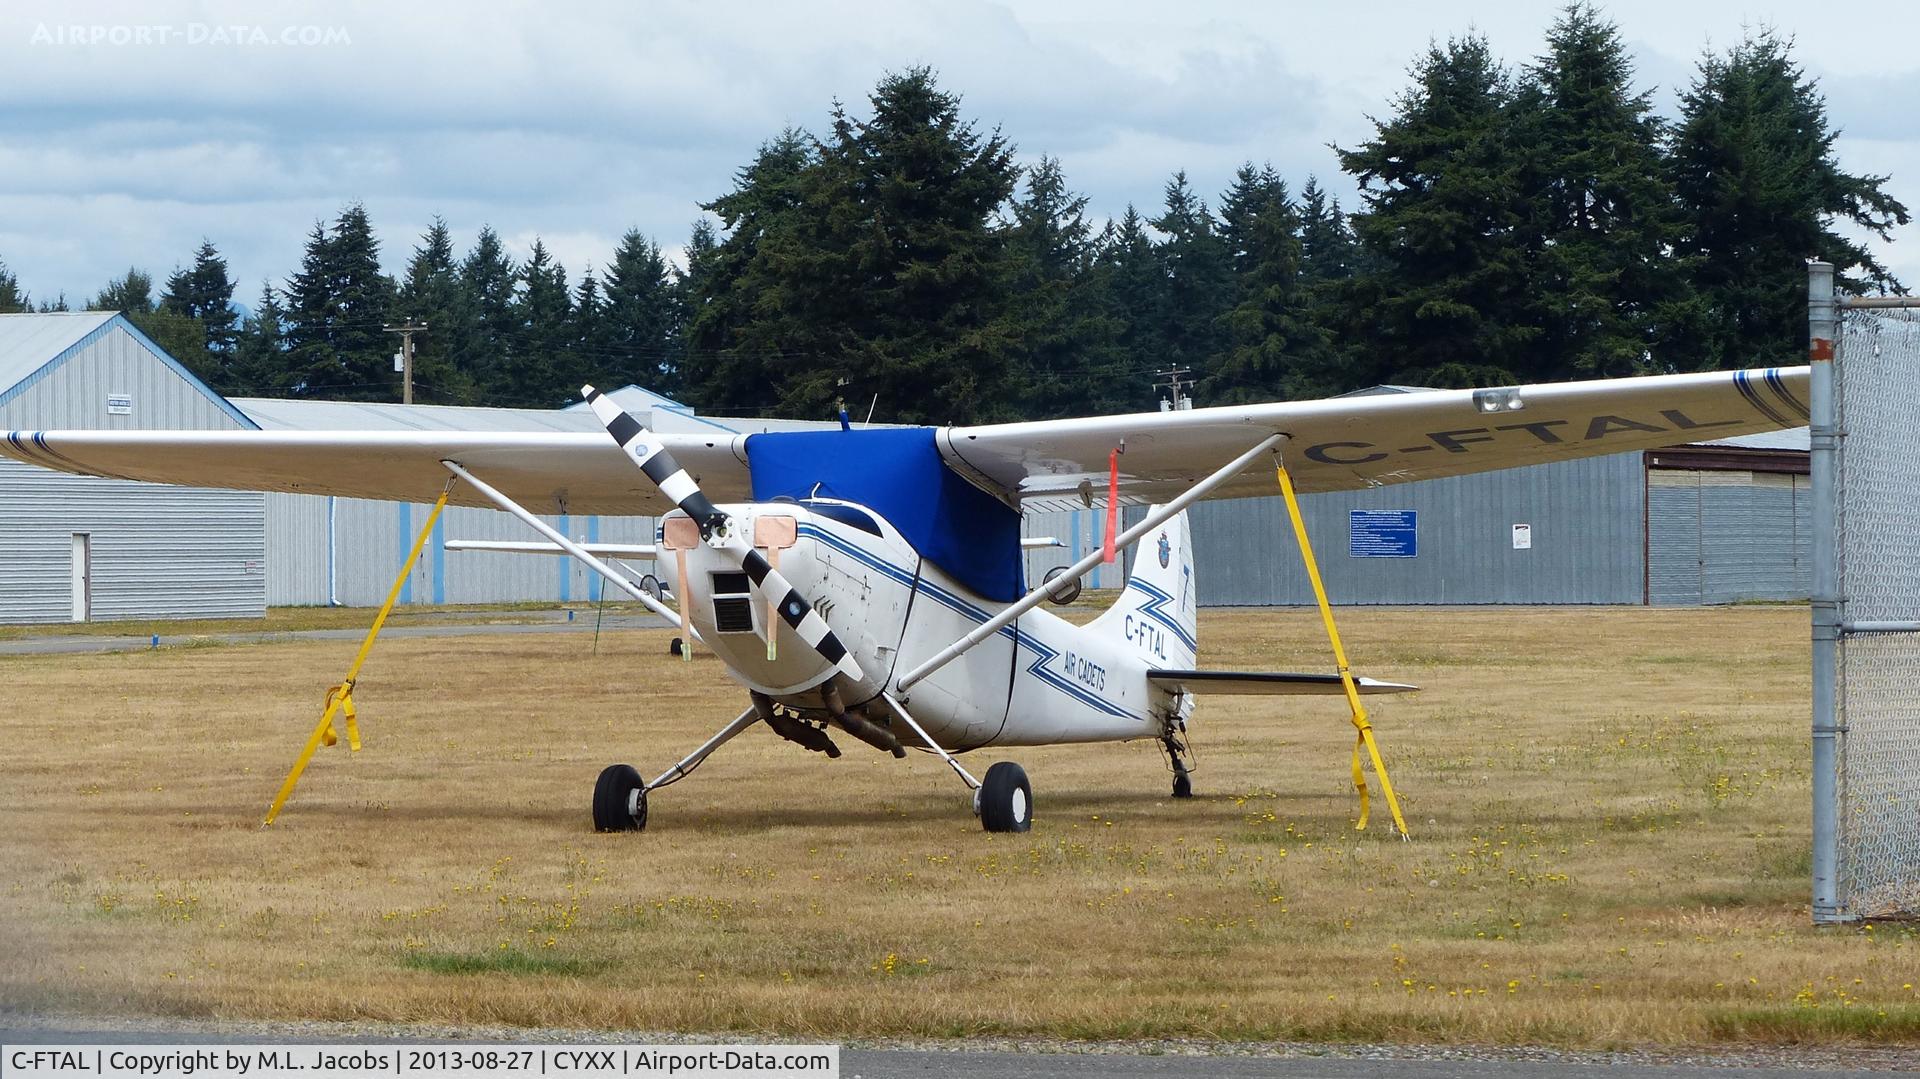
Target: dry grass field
[[1609, 814]]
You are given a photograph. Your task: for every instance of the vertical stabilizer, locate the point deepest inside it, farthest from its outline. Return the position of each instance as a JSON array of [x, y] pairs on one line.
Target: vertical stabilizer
[[1157, 613]]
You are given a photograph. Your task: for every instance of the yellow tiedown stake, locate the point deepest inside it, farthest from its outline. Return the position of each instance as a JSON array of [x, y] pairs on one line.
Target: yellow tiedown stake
[[1360, 724], [340, 697]]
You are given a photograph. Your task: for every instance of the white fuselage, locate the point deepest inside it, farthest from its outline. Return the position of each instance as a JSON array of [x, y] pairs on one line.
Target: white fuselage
[[1038, 681]]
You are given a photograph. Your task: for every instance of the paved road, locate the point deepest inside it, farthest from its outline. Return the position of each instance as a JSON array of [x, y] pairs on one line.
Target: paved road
[[74, 645], [962, 1063]]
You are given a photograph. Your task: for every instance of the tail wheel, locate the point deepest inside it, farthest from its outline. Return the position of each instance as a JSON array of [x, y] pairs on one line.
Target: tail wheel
[[619, 800], [1006, 799]]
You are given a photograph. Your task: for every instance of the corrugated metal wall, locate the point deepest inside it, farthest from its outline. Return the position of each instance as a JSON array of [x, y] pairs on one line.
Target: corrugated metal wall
[[156, 552], [1585, 517], [1725, 536], [111, 361], [371, 539], [1081, 531]]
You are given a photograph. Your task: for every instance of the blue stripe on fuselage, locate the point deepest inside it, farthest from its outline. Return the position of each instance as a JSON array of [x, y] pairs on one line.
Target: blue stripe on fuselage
[[974, 613]]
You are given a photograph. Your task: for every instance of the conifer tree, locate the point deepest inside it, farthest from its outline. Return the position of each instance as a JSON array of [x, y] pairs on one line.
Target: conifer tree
[[338, 306], [1272, 343], [1326, 240], [1251, 193], [587, 341], [1197, 272], [720, 294], [640, 318], [885, 279], [693, 292], [430, 294], [542, 356], [1603, 277], [1446, 298], [259, 367], [488, 279], [205, 293], [905, 201], [1761, 191], [1329, 259], [1132, 287], [1065, 339], [12, 300]]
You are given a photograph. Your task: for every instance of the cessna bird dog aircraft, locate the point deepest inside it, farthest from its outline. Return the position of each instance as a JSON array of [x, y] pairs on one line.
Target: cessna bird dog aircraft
[[868, 582]]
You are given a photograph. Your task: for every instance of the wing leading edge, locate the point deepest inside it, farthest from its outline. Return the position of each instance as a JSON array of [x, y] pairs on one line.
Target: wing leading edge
[[1347, 443], [1335, 444], [556, 472]]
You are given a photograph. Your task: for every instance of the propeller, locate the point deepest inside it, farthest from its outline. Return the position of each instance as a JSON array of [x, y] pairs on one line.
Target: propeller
[[718, 532]]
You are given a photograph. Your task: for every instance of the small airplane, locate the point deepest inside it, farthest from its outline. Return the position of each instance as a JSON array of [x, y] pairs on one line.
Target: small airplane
[[868, 581]]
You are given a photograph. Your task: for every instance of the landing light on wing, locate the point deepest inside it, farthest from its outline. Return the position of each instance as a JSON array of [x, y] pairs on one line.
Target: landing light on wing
[[1504, 399]]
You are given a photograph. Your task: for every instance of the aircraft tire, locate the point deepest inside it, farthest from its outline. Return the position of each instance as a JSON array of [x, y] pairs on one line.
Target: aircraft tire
[[1006, 799], [615, 807], [1182, 786]]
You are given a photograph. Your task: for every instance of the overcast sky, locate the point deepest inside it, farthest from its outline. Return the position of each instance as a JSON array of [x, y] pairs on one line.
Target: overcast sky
[[132, 130]]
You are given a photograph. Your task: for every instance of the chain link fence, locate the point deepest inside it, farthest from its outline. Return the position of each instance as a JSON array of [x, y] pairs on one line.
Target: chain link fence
[[1876, 661]]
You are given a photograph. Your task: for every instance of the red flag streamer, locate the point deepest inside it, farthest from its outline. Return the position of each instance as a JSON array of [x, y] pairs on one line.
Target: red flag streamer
[[1113, 503]]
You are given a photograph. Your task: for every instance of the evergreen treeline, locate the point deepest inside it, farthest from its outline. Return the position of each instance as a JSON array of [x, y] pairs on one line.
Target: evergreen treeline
[[1516, 224]]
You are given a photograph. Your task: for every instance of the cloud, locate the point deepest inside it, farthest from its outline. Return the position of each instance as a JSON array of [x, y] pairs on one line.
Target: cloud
[[575, 123]]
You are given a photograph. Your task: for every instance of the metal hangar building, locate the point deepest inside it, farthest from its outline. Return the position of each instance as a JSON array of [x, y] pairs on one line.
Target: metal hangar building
[[74, 548]]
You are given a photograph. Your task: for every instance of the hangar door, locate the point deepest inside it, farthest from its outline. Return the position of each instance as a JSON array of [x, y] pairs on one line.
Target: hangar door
[[1721, 536]]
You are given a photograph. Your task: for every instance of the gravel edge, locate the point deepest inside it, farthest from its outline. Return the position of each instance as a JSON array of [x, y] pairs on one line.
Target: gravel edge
[[1808, 1057]]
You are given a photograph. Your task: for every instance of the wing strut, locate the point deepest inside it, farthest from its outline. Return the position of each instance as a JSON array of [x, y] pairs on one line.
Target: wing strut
[[1126, 539], [619, 579], [1361, 726]]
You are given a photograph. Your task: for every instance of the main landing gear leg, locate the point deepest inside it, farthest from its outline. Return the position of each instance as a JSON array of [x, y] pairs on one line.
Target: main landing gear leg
[[1182, 784], [620, 798], [1004, 802]]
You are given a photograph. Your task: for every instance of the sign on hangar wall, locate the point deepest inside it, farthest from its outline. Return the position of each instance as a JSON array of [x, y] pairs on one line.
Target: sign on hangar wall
[[1383, 533]]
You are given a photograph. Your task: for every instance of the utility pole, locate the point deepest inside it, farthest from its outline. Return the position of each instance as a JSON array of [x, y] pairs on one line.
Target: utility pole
[[1177, 382], [406, 332]]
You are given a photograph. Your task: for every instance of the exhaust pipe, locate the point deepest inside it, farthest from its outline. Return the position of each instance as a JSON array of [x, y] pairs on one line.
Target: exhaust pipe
[[793, 730], [859, 726]]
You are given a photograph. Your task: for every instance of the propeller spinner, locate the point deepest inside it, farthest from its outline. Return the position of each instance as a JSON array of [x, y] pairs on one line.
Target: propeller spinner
[[717, 531]]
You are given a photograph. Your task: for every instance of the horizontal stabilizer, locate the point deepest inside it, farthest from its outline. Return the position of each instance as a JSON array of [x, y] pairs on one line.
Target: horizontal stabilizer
[[598, 550], [1267, 683]]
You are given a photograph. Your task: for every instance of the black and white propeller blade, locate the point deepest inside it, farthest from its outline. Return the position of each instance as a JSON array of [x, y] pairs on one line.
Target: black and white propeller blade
[[717, 530]]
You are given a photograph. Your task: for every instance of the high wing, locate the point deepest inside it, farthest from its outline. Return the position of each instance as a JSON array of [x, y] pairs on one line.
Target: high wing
[[558, 472], [1335, 444], [1346, 443]]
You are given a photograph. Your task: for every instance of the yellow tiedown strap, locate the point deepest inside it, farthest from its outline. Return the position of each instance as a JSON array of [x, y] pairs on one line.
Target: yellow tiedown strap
[[1363, 728], [340, 697]]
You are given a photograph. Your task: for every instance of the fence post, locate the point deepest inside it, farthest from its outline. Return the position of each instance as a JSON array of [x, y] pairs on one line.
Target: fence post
[[1823, 335]]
